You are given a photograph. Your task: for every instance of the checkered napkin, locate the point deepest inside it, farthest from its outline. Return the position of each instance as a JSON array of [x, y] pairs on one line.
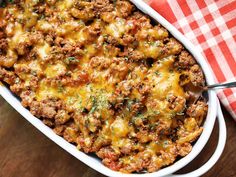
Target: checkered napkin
[[211, 26]]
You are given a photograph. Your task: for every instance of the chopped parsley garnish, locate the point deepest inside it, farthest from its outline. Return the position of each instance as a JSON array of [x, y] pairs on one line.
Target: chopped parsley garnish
[[157, 73], [71, 60], [42, 17]]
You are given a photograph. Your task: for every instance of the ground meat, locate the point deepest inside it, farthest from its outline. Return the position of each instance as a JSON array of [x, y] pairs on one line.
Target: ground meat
[[163, 127], [82, 14], [63, 80], [176, 103], [166, 157], [18, 87], [59, 41], [127, 149], [100, 62], [114, 165], [71, 51], [127, 39], [141, 161], [27, 97], [100, 142], [103, 6], [135, 54], [23, 47], [116, 100], [124, 88], [124, 8], [107, 16], [82, 78], [48, 122], [40, 9], [119, 69], [137, 107], [85, 143], [184, 149], [41, 110], [189, 131], [143, 89], [198, 111], [7, 76], [49, 39], [112, 40], [112, 51], [184, 80], [141, 20], [36, 37], [47, 108], [70, 134], [184, 60], [61, 117], [34, 83], [19, 69], [2, 34], [59, 129], [143, 136], [109, 158], [107, 153], [8, 61], [173, 46], [196, 76], [83, 10], [3, 44], [94, 29], [94, 122]]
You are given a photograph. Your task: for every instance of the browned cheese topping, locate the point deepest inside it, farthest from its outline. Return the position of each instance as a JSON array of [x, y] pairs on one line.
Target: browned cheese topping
[[105, 77]]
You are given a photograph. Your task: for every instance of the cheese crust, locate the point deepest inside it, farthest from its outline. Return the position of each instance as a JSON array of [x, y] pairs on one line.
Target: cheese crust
[[105, 77]]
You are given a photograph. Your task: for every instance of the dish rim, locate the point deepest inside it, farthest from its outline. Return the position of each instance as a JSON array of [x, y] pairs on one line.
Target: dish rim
[[94, 162]]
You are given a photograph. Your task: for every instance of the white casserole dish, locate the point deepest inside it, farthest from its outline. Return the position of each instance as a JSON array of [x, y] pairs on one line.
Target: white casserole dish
[[95, 163]]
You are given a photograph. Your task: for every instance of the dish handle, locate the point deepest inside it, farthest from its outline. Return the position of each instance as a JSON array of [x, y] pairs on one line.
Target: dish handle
[[218, 151]]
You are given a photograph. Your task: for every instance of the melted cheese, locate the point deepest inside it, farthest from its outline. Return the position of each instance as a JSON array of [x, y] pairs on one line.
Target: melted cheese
[[17, 32], [45, 91], [43, 50], [164, 79], [55, 70], [150, 50], [119, 128], [64, 5], [120, 97], [44, 26], [80, 36], [117, 28]]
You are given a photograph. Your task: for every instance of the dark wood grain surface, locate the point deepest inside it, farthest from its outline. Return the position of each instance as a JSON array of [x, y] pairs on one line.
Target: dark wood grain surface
[[25, 152]]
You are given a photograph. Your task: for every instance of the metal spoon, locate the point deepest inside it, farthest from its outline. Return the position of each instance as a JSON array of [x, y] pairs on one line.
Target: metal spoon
[[203, 93], [220, 85]]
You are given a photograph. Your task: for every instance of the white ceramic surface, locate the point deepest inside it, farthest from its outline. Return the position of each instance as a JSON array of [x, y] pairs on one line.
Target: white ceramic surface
[[95, 163]]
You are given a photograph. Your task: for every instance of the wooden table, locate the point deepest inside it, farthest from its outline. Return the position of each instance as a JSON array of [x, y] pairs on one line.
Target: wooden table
[[25, 152]]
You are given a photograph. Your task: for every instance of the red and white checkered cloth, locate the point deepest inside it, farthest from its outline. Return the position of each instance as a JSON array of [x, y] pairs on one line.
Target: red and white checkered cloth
[[211, 26]]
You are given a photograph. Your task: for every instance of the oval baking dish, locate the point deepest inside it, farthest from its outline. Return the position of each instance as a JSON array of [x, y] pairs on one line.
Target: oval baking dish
[[94, 162]]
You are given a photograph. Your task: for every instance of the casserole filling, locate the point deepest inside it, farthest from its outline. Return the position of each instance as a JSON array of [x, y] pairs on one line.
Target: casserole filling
[[105, 77]]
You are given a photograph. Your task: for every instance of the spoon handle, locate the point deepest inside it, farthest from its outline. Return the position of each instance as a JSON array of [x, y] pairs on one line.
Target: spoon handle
[[222, 85]]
